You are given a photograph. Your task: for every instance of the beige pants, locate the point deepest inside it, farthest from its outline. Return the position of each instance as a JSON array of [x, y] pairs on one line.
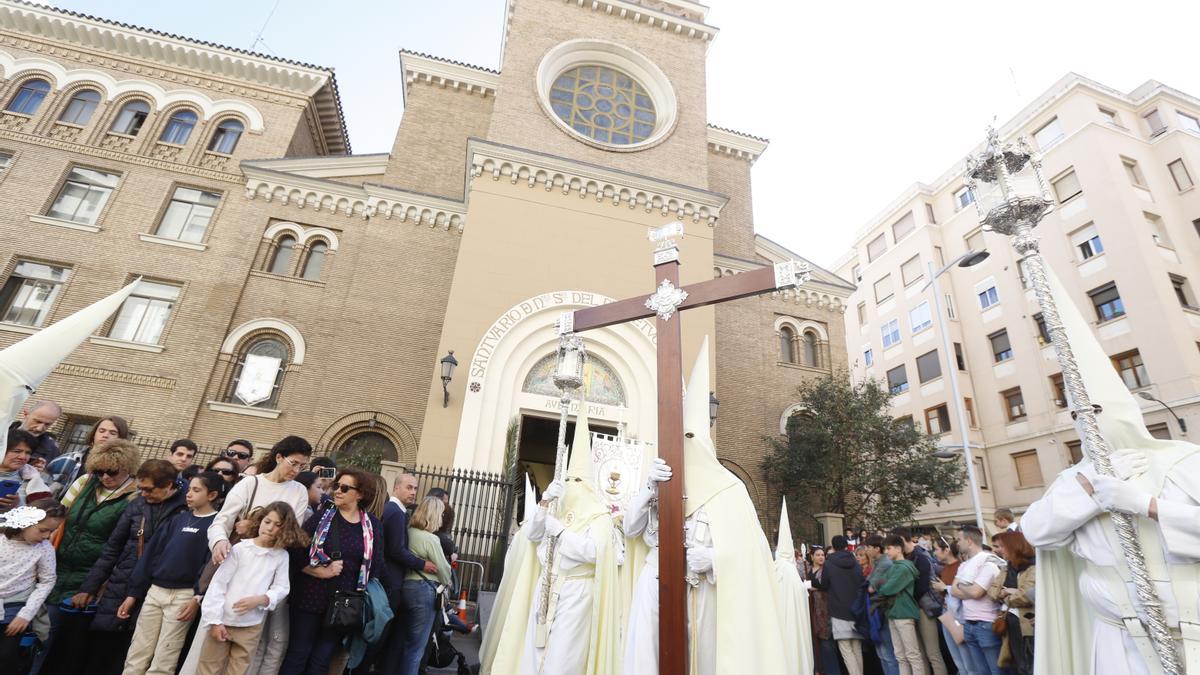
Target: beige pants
[[852, 654], [159, 635], [268, 657], [931, 630], [907, 646], [231, 657]]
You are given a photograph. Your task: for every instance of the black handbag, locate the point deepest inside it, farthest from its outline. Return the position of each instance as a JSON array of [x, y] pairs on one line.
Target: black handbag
[[347, 608]]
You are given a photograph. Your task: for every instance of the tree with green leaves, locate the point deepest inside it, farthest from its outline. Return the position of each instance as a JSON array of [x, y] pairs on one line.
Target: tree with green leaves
[[845, 453]]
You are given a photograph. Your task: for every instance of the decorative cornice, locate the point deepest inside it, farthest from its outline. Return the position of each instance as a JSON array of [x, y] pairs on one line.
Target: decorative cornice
[[117, 156], [812, 294], [417, 67], [552, 172], [735, 143], [113, 88], [776, 252], [115, 376], [365, 201], [100, 38], [327, 166], [654, 18]]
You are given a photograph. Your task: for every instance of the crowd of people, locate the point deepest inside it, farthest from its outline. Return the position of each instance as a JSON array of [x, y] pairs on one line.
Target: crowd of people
[[906, 603], [112, 563]]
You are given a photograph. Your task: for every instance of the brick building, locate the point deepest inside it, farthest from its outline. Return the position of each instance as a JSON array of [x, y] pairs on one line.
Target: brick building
[[298, 288]]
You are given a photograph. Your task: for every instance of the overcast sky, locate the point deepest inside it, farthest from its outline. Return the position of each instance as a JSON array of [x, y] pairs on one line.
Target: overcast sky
[[859, 99]]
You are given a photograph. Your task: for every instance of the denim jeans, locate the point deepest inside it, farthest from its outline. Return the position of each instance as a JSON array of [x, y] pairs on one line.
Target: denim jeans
[[958, 654], [417, 600], [829, 658], [886, 652], [982, 648]]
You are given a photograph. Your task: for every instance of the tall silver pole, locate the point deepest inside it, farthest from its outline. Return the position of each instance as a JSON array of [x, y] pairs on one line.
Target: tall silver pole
[[959, 409], [1016, 216]]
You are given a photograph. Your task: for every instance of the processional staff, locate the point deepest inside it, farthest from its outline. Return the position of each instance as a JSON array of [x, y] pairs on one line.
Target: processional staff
[[568, 376], [1015, 200]]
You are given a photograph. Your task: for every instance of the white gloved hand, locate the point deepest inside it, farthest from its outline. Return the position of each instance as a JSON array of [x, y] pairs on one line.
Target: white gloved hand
[[1129, 463], [554, 491], [700, 559], [659, 472], [554, 526], [1113, 494]]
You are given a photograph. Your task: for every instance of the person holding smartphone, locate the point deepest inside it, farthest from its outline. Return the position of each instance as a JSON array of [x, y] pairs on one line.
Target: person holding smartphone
[[20, 482]]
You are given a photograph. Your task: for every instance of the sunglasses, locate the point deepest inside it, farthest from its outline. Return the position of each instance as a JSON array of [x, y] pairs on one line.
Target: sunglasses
[[239, 455], [106, 472], [225, 472], [343, 488]]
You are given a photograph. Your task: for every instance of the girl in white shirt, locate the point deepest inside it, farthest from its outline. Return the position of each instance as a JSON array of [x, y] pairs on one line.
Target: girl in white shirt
[[251, 581], [27, 569]]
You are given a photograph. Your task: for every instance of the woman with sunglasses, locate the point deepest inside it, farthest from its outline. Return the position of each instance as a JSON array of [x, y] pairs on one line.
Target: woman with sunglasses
[[345, 553], [95, 503], [65, 469], [227, 469], [275, 481]]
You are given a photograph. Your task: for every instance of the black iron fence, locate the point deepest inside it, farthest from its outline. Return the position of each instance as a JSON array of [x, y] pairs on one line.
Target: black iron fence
[[482, 502], [483, 513]]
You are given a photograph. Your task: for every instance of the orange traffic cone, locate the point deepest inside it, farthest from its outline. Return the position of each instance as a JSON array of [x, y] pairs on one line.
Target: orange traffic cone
[[462, 606]]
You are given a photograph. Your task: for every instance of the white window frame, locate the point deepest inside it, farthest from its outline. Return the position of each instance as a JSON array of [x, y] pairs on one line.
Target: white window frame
[[925, 321], [988, 297], [192, 211], [1048, 134], [130, 324], [79, 178], [33, 282], [1177, 168], [1188, 122], [890, 333], [963, 197]]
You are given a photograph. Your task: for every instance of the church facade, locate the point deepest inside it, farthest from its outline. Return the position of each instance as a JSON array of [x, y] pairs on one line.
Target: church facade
[[298, 288]]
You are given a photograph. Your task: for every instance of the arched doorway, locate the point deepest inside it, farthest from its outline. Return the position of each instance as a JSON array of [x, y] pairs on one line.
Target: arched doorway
[[509, 372], [370, 442]]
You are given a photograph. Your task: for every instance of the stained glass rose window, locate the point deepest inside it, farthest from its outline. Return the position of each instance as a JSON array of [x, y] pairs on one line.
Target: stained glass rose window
[[603, 104]]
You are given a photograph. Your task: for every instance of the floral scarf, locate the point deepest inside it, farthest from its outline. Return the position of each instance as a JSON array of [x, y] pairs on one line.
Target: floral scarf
[[316, 551]]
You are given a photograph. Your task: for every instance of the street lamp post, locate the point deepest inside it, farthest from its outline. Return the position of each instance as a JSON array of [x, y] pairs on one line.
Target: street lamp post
[[1012, 197], [965, 260], [1182, 422]]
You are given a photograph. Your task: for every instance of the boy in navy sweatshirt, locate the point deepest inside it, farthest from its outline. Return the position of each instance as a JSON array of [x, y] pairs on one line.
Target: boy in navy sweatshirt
[[165, 579]]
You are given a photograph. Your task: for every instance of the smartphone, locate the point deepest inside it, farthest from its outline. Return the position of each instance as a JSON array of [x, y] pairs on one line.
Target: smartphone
[[9, 487], [326, 472]]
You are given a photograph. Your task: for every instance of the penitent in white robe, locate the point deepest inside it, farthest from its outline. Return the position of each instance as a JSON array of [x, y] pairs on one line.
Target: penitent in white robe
[[571, 626], [1066, 517], [641, 640]]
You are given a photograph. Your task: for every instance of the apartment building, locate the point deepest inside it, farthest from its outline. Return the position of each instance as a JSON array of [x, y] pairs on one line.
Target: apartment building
[[1124, 237]]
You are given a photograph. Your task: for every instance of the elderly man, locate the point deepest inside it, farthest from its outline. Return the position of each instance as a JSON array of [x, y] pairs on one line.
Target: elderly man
[[37, 418]]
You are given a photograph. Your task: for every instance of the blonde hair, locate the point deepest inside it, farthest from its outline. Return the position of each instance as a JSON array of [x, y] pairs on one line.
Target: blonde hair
[[380, 499], [428, 515]]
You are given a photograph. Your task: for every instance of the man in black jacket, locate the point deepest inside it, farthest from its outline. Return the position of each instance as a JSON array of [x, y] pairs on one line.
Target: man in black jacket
[[37, 418], [842, 578], [927, 626], [400, 561]]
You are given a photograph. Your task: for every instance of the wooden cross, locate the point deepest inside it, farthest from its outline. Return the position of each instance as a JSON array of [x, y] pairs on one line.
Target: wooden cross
[[667, 301]]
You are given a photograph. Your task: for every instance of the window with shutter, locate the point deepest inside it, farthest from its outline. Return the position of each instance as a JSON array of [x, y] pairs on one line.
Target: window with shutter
[[1029, 470]]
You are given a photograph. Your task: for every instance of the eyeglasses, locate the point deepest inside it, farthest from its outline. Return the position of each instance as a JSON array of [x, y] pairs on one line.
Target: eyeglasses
[[225, 472], [240, 455], [146, 490], [299, 466], [106, 472], [343, 488]]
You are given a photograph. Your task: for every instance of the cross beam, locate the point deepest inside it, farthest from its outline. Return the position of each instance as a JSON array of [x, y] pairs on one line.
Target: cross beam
[[667, 301]]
